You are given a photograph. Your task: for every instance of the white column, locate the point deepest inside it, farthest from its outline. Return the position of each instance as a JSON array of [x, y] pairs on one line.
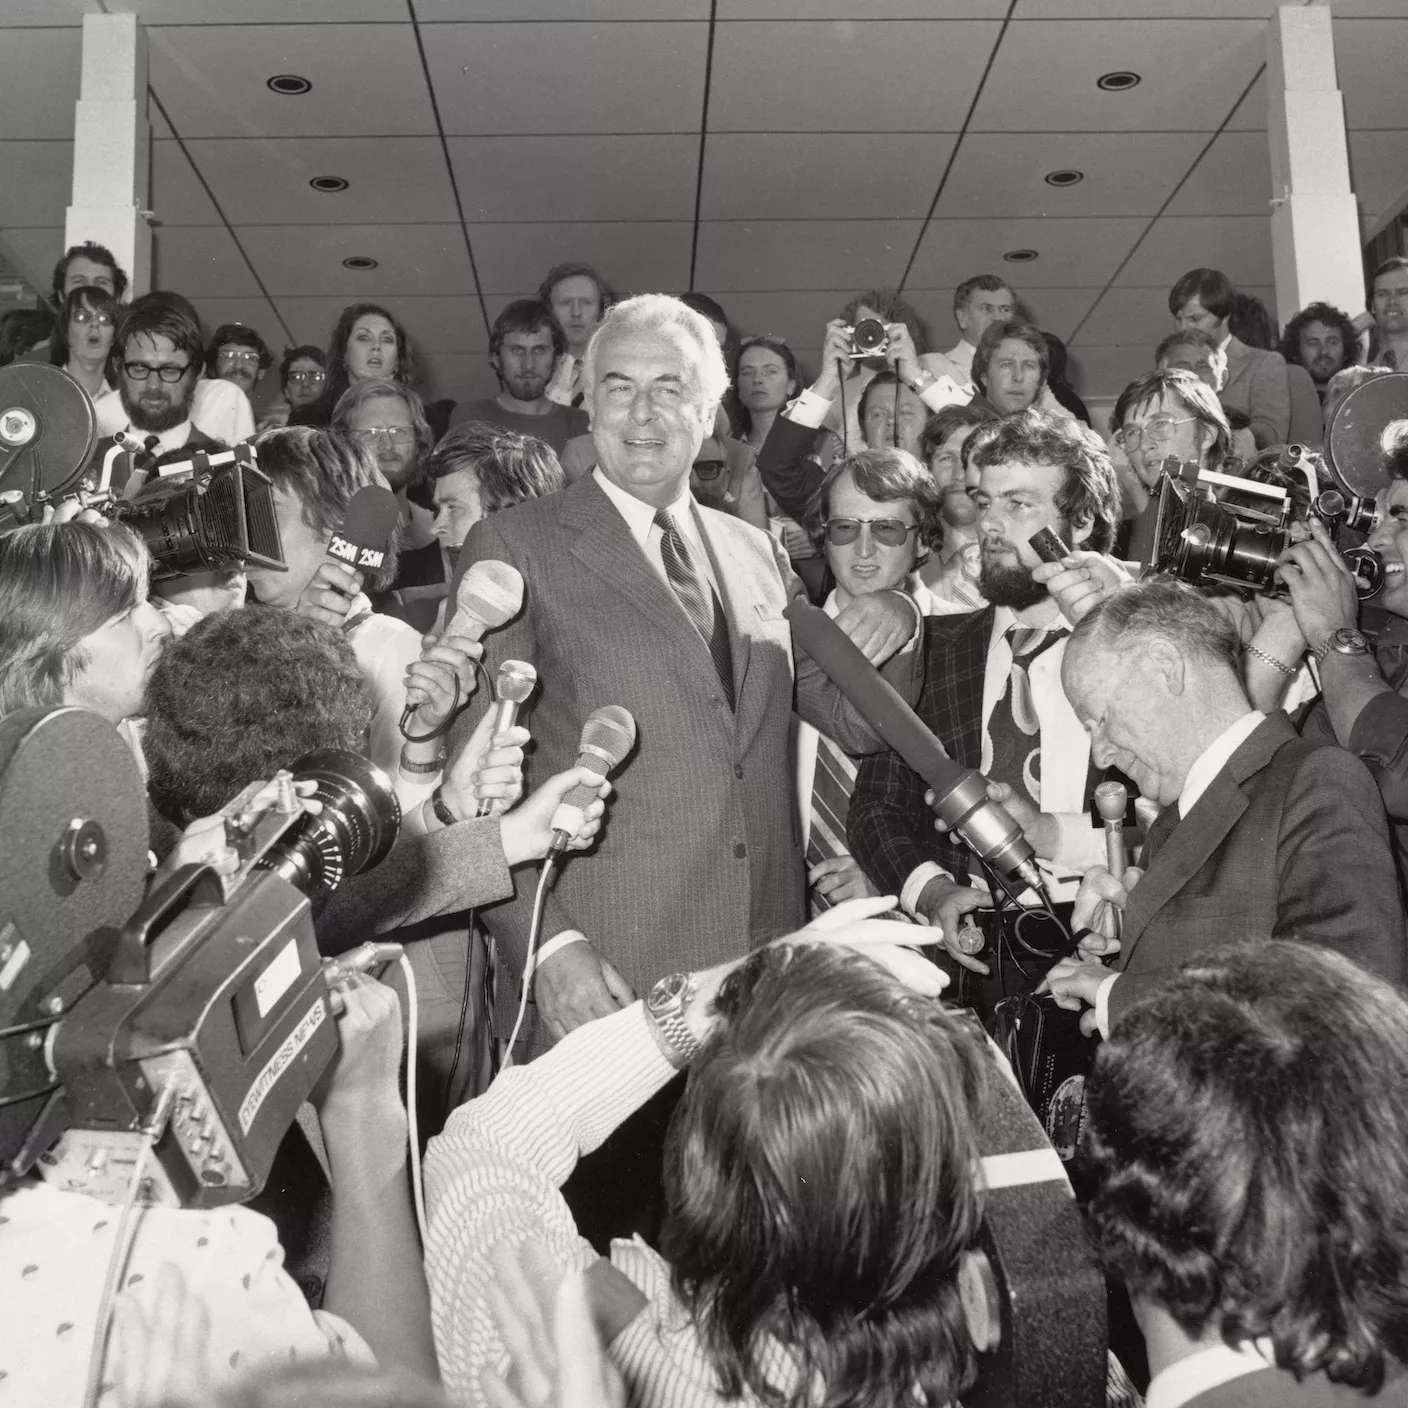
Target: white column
[[1314, 220], [112, 146]]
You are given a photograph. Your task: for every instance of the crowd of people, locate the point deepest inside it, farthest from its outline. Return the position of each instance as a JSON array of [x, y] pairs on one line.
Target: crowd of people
[[704, 1118]]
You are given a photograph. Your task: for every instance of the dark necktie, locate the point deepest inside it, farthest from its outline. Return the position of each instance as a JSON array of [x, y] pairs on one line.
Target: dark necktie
[[832, 784], [1160, 829], [1013, 726], [697, 597]]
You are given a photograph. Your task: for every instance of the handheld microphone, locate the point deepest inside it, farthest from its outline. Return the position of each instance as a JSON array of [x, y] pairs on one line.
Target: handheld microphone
[[607, 736], [364, 539], [490, 594], [960, 794], [517, 680], [1111, 798]]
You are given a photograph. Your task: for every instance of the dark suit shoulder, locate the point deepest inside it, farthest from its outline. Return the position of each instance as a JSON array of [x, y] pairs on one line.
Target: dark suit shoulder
[[941, 631]]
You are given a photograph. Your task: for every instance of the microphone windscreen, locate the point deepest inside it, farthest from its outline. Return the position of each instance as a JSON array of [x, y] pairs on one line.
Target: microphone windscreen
[[516, 681], [364, 539], [490, 593], [609, 734]]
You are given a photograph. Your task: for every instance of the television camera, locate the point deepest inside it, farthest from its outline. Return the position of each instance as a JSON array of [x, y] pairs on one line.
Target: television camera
[[1230, 530], [196, 1016], [210, 512]]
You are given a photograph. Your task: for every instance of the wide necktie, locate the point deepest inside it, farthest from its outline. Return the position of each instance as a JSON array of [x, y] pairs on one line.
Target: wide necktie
[[833, 781], [697, 597], [1013, 727]]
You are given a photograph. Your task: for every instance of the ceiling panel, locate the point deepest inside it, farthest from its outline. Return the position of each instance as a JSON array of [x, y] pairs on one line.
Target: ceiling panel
[[576, 178], [37, 179], [458, 376], [201, 262], [366, 78], [1148, 9], [307, 259], [1233, 178], [1250, 115], [1369, 58], [39, 82], [34, 252], [764, 176], [1130, 173], [799, 318], [580, 74], [437, 324], [630, 256], [587, 10], [217, 12], [177, 196], [862, 10], [1073, 253], [805, 254], [44, 14], [846, 75], [1378, 163], [254, 313], [1192, 70], [394, 180], [1139, 318], [1056, 309], [1241, 245]]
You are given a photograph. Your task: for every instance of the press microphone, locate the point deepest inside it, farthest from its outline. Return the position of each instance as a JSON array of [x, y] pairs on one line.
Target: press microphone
[[607, 736], [490, 595], [1111, 799], [517, 680], [364, 539], [960, 794]]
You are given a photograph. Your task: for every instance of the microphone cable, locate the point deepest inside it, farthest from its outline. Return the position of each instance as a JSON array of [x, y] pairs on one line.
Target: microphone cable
[[534, 935]]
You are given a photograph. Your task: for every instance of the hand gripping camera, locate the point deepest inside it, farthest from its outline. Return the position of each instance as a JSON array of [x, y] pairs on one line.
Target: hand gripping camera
[[205, 1001], [869, 338]]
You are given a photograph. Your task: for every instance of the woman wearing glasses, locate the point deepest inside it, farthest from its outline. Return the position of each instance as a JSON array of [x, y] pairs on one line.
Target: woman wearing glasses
[[388, 421], [83, 337]]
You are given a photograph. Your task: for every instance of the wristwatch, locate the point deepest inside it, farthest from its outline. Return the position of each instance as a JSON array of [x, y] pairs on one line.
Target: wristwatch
[[668, 1001], [1345, 641]]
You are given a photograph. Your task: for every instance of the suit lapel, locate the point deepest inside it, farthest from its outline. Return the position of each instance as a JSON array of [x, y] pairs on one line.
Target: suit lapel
[[1198, 835], [730, 571]]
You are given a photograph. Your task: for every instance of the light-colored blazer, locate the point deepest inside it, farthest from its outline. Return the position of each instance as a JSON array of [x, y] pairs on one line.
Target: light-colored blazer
[[1257, 387]]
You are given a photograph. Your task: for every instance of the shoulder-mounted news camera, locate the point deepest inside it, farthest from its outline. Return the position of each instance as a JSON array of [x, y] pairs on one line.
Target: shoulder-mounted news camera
[[203, 514], [1231, 530], [200, 1011]]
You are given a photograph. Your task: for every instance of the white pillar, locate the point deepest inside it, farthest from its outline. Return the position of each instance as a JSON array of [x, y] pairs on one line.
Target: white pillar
[[112, 147], [1314, 218]]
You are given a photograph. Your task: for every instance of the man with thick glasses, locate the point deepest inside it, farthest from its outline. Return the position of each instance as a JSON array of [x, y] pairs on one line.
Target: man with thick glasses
[[157, 356], [238, 355], [992, 694]]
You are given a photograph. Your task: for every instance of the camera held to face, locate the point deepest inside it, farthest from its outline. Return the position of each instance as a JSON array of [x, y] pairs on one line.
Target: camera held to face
[[869, 338]]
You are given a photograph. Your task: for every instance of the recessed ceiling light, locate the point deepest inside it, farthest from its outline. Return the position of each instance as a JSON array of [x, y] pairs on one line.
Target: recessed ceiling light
[[358, 261], [1118, 81], [328, 183], [291, 85], [1064, 178], [1020, 256]]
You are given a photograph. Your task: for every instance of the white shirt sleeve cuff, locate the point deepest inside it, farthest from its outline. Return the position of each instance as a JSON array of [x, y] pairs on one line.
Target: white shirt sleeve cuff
[[914, 887], [558, 941], [1080, 845], [944, 391], [1102, 1005], [808, 409]]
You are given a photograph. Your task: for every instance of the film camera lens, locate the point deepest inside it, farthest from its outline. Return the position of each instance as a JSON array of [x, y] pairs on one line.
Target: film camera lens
[[869, 338], [357, 826]]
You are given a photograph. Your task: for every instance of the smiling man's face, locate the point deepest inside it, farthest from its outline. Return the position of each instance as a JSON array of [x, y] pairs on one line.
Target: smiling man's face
[[649, 416]]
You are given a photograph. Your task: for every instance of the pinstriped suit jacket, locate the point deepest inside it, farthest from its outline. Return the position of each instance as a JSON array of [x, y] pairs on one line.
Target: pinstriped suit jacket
[[700, 856], [889, 827]]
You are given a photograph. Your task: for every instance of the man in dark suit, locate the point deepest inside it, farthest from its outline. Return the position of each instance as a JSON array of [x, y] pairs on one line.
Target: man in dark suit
[[1263, 834], [992, 692], [636, 596]]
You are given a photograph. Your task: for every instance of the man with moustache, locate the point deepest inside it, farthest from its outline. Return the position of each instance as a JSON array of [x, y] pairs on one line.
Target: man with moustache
[[157, 356], [992, 695], [524, 345], [238, 355]]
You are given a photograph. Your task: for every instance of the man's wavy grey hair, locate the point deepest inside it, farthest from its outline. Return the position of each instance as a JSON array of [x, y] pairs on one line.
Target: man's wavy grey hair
[[648, 313]]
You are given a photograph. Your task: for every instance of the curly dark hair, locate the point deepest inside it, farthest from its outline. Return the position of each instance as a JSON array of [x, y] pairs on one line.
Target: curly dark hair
[[1089, 490], [820, 1183], [236, 335], [1332, 317], [1244, 1137], [242, 694]]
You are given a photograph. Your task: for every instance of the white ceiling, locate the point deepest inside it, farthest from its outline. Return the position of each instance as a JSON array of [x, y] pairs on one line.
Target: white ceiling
[[814, 148]]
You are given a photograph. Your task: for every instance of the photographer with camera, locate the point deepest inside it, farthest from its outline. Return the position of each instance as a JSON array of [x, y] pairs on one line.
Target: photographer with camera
[[1262, 834], [1363, 705]]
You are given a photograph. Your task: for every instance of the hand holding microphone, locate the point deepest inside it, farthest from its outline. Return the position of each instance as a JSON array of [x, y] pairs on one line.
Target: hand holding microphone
[[1111, 799], [361, 545], [517, 680], [608, 735]]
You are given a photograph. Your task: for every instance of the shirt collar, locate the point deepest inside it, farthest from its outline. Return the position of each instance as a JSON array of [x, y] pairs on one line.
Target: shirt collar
[[1213, 759], [1184, 1379], [1004, 618], [639, 515]]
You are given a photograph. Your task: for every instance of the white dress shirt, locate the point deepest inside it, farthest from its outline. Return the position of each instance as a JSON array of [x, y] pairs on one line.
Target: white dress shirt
[[1065, 762], [219, 409], [1205, 767], [1184, 1379], [640, 520]]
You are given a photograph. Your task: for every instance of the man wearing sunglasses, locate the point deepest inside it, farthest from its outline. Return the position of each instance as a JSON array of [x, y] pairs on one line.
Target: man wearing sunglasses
[[156, 360]]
